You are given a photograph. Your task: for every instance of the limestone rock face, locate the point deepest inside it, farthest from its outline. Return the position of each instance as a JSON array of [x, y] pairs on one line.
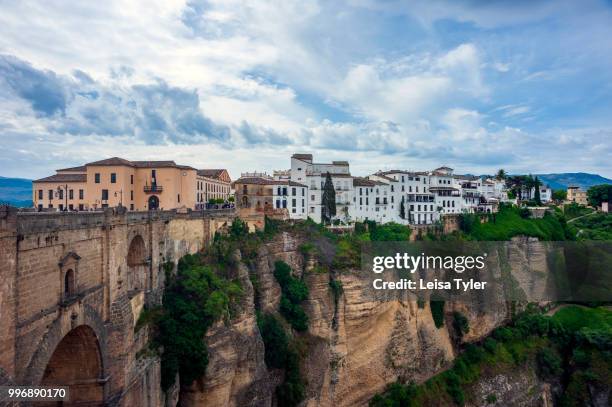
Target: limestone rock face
[[236, 374], [357, 342]]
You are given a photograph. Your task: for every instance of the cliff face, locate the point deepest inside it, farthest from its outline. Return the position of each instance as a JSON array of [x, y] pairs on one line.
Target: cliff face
[[356, 343]]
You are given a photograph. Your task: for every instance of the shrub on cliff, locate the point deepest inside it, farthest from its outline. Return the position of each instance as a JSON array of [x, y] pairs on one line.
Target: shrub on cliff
[[280, 354], [193, 300], [294, 291]]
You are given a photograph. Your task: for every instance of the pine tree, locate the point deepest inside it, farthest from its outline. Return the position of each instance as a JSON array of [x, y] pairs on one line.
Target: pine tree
[[328, 200]]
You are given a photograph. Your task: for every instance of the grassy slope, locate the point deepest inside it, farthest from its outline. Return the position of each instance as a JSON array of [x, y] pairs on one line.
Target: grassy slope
[[508, 223]]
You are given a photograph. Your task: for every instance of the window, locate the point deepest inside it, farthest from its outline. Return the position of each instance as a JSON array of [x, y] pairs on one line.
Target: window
[[40, 207], [81, 194], [178, 198], [113, 178], [97, 177], [71, 194], [81, 207], [71, 207], [284, 204], [303, 192], [293, 193], [105, 194], [132, 179], [278, 203], [293, 202], [131, 207], [61, 207], [40, 194], [69, 284], [61, 194], [131, 195], [153, 174], [50, 206]]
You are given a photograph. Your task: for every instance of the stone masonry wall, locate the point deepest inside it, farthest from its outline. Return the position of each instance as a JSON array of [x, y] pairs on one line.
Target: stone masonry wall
[[38, 250]]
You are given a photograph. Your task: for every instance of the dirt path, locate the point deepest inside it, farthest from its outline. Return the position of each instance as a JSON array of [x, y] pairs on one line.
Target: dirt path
[[581, 216]]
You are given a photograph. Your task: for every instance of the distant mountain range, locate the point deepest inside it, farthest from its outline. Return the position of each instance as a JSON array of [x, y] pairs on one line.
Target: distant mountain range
[[581, 179], [18, 191]]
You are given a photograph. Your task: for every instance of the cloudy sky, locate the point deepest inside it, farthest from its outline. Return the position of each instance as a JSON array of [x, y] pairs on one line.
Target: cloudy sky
[[523, 85]]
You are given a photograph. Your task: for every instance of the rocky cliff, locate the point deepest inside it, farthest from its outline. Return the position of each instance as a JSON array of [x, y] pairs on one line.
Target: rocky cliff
[[358, 341]]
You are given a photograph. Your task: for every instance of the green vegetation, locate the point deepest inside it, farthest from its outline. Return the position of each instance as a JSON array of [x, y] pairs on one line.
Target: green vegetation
[[389, 232], [294, 291], [510, 222], [573, 346], [193, 300], [593, 227], [280, 354], [598, 194], [559, 195], [328, 200], [574, 210]]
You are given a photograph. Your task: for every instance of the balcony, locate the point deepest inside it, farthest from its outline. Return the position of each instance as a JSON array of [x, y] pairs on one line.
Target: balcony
[[151, 189]]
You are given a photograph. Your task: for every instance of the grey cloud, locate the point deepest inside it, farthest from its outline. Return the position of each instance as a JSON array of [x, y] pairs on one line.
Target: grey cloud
[[155, 113], [260, 135], [42, 89]]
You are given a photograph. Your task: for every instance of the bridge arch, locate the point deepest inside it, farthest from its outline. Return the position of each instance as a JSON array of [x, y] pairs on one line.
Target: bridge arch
[[73, 353], [137, 264], [76, 362]]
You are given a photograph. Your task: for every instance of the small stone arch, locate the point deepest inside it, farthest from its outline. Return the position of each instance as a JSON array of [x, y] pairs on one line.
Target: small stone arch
[[137, 264]]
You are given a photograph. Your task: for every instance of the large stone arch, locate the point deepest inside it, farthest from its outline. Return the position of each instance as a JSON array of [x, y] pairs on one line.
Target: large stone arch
[[76, 362], [83, 321]]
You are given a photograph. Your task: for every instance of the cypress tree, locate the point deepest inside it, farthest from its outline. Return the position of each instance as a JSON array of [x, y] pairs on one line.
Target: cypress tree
[[328, 200]]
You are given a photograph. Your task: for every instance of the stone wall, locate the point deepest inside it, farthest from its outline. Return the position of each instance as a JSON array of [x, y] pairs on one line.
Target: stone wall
[[63, 272]]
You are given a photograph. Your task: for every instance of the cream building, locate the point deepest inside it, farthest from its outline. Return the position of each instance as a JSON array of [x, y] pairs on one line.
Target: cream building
[[212, 184], [136, 185], [575, 194]]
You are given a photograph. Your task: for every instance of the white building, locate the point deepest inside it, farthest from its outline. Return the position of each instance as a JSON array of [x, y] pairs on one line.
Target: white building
[[426, 195], [306, 172]]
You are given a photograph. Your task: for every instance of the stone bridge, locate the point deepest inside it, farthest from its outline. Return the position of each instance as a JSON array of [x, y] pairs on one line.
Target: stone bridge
[[72, 286]]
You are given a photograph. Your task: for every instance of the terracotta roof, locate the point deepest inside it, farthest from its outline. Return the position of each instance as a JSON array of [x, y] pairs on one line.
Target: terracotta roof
[[260, 181], [82, 168], [466, 177], [381, 175], [112, 161], [302, 156], [363, 182], [153, 164], [139, 164], [211, 173], [397, 172], [64, 178], [342, 163]]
